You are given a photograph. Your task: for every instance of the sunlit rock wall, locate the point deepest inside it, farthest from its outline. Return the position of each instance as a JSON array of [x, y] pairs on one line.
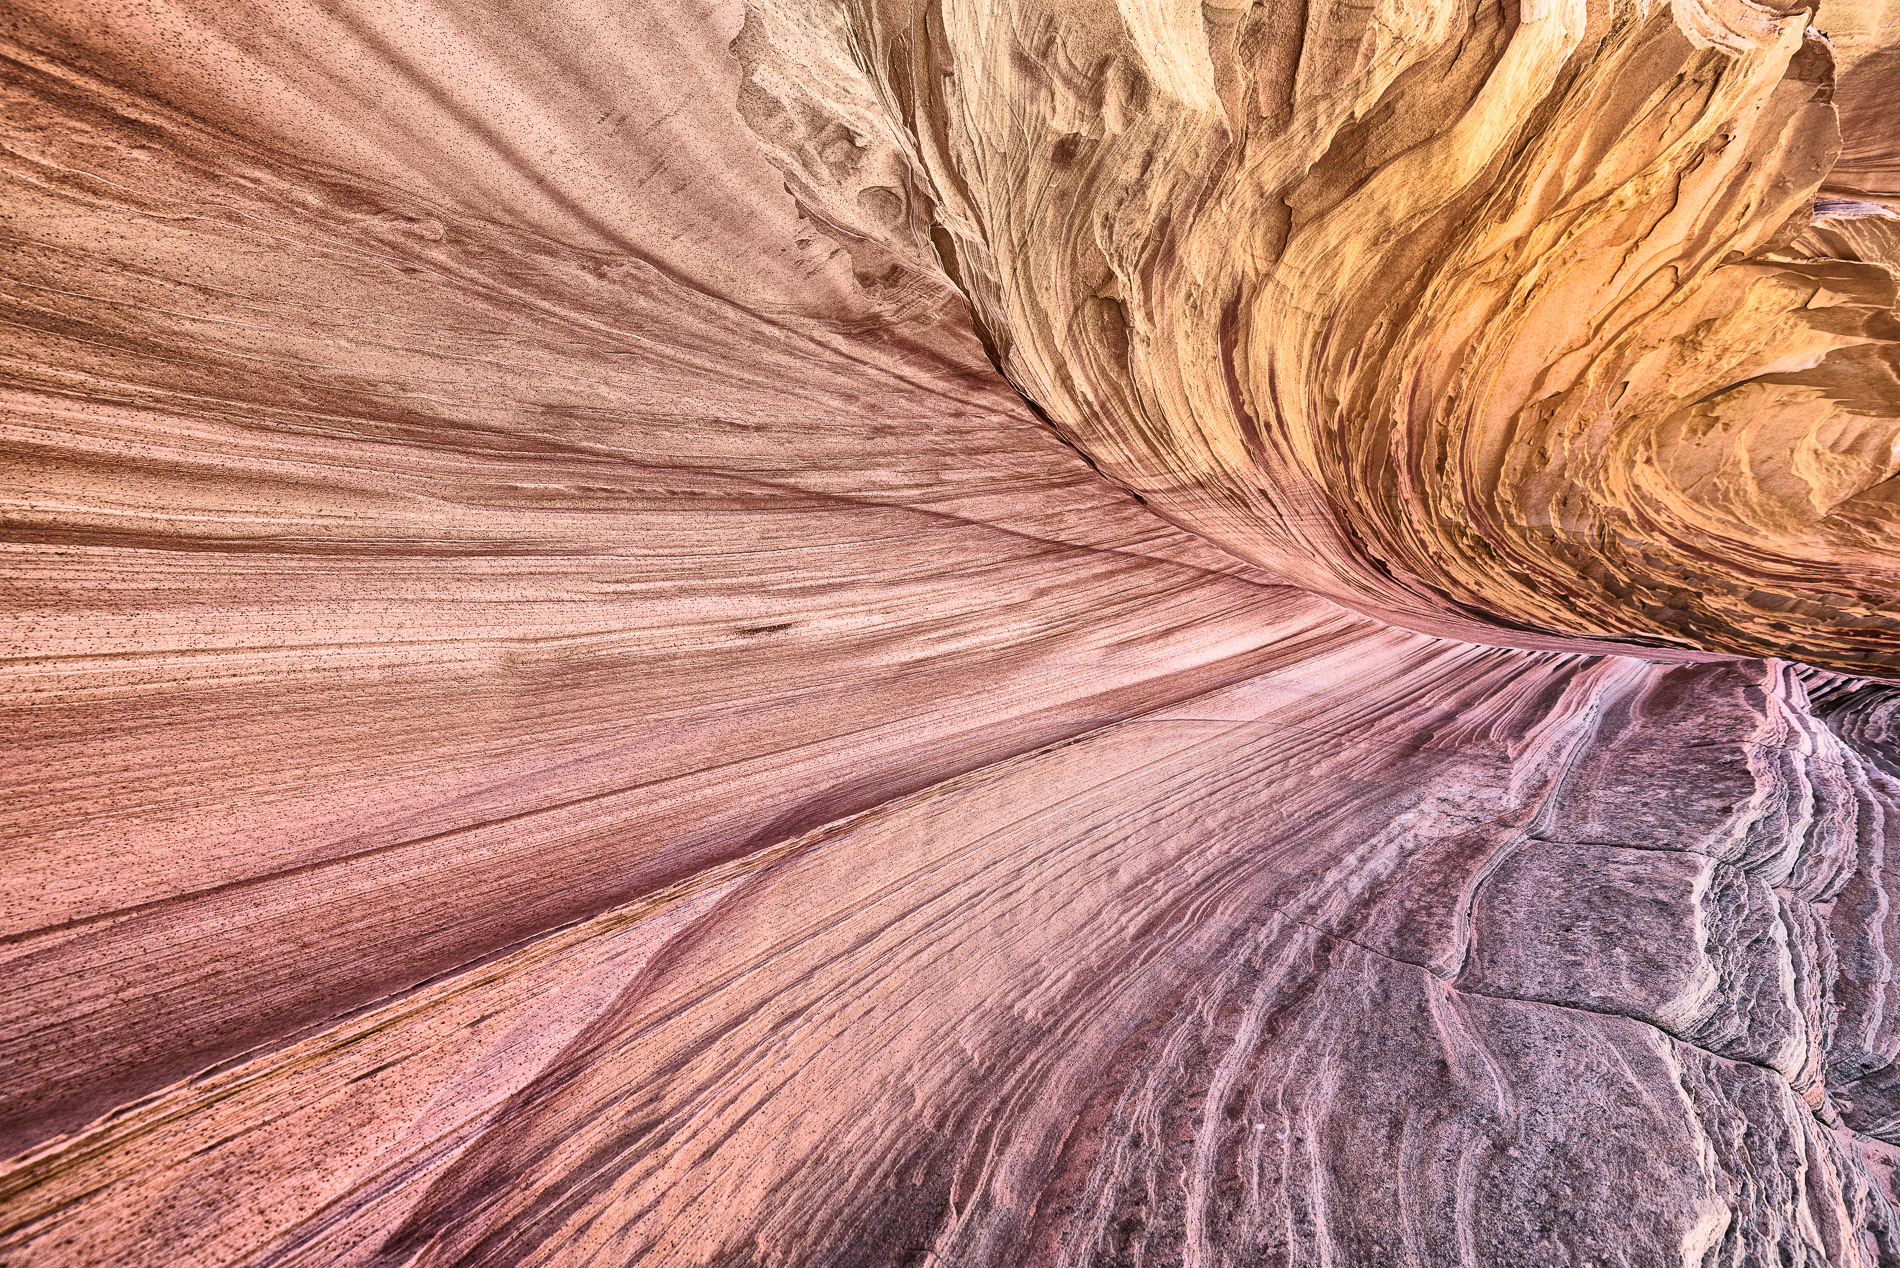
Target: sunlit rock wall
[[1463, 315], [959, 634]]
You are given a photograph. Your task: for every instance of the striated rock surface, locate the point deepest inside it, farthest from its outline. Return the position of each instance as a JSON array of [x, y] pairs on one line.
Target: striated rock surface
[[1865, 36], [395, 585], [1467, 316], [1492, 962], [712, 634]]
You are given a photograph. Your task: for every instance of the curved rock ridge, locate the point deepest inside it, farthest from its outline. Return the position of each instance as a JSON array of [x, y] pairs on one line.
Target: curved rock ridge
[[1401, 952], [562, 711], [391, 584], [1468, 315]]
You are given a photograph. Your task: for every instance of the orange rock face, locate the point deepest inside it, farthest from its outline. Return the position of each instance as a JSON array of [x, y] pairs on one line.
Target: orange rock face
[[1466, 317], [970, 633]]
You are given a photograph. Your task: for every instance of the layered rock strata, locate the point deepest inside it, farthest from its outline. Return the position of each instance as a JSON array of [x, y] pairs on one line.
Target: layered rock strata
[[1508, 958], [565, 711], [1468, 316]]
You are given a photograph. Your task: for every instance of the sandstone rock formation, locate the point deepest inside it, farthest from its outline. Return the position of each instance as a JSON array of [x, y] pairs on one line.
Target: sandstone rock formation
[[1462, 315], [976, 632]]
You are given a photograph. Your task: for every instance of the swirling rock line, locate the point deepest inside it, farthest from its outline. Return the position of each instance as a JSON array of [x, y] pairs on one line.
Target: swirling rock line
[[1467, 316], [950, 633], [1057, 1011]]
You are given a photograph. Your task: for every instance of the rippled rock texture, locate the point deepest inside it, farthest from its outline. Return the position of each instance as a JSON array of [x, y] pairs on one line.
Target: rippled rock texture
[[1445, 311], [951, 633]]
